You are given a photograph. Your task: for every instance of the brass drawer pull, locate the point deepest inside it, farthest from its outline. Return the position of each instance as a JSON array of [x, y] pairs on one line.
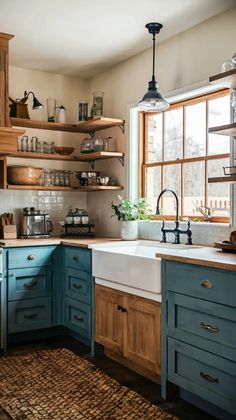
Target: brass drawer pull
[[77, 286], [78, 318], [31, 316], [207, 284], [76, 257], [209, 327], [31, 257], [209, 378], [31, 285]]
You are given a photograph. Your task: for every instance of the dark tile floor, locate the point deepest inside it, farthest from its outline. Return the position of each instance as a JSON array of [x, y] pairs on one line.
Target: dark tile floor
[[125, 376]]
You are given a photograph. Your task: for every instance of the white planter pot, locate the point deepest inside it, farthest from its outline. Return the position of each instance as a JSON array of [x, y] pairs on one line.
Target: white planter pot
[[129, 230]]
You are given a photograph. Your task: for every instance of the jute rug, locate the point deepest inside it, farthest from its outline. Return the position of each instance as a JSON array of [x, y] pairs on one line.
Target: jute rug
[[57, 384]]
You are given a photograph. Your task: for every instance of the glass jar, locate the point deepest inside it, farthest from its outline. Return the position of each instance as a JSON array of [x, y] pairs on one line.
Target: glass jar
[[47, 177], [24, 141], [56, 178], [77, 217], [83, 111], [67, 175], [84, 217], [39, 147], [51, 147], [61, 178], [98, 144], [97, 104], [69, 217], [227, 65], [34, 141], [87, 145]]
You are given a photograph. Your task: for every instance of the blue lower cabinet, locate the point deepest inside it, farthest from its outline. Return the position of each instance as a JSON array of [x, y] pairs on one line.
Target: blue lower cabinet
[[78, 317], [27, 283], [30, 314], [79, 258], [78, 285], [34, 256], [211, 377]]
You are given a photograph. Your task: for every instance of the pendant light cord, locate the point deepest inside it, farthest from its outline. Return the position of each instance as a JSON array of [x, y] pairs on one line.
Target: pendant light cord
[[153, 56]]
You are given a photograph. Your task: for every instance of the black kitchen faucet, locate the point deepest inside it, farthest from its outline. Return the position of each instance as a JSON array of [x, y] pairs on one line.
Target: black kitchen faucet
[[176, 231]]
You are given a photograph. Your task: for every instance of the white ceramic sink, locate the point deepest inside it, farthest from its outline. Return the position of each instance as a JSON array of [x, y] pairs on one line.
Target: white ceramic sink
[[131, 264]]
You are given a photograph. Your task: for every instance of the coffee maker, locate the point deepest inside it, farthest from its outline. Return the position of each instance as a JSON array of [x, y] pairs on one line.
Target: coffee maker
[[35, 224]]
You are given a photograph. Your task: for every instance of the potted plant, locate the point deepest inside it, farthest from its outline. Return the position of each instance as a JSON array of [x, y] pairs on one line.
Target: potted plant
[[129, 213]]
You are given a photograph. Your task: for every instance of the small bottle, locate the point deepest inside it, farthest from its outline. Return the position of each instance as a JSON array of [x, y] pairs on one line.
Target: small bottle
[[61, 114], [69, 217]]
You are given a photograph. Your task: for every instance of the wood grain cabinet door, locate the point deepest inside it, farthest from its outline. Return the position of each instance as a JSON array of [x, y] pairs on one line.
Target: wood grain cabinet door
[[109, 318], [142, 332]]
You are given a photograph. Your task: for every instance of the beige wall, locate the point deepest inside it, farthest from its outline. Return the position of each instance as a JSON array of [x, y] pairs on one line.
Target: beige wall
[[183, 60], [186, 59], [67, 91]]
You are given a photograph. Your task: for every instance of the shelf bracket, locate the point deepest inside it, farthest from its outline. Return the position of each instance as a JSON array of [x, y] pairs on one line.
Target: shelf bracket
[[122, 127], [92, 163], [121, 160]]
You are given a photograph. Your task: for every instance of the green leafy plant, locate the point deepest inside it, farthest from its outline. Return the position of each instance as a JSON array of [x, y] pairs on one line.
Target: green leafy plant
[[127, 210]]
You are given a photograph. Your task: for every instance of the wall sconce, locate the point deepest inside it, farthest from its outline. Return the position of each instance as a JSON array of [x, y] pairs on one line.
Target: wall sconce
[[36, 103], [153, 100], [19, 108]]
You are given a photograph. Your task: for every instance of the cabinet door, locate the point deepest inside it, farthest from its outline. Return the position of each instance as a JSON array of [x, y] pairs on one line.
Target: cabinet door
[[109, 318], [142, 332]]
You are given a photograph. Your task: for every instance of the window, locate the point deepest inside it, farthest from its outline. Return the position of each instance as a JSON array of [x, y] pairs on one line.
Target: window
[[179, 154]]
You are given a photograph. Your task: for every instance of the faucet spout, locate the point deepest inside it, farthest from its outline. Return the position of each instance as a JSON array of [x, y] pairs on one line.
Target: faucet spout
[[176, 199]]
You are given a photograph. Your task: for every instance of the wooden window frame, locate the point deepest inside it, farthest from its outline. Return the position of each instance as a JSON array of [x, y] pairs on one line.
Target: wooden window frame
[[206, 158]]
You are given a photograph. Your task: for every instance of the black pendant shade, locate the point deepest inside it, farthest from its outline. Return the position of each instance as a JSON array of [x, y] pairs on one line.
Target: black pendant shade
[[36, 103], [153, 100]]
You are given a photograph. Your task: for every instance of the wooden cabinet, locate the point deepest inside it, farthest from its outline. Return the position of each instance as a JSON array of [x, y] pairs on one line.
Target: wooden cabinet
[[108, 318], [129, 327]]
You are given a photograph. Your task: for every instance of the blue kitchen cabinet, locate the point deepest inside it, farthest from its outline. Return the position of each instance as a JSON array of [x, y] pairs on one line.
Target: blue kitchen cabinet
[[78, 293], [47, 286], [198, 335], [28, 278]]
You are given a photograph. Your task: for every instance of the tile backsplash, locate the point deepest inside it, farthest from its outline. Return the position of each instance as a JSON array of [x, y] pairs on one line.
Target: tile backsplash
[[55, 203]]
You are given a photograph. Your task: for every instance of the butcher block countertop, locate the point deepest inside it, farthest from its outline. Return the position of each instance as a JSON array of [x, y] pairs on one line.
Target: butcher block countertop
[[205, 256], [82, 242]]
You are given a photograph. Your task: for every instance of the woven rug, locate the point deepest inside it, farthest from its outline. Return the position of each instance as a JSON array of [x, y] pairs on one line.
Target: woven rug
[[57, 384]]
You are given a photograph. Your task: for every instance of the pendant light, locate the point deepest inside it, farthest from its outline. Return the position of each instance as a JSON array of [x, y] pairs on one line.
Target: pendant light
[[153, 100]]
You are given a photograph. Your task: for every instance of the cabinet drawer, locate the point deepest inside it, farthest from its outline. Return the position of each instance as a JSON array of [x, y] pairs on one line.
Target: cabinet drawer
[[30, 257], [191, 320], [78, 258], [27, 283], [78, 317], [211, 377], [29, 315], [78, 285], [205, 283]]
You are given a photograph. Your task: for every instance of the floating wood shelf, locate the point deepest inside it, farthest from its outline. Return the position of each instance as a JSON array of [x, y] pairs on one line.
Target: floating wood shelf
[[81, 157], [61, 188], [230, 178], [225, 130], [226, 79], [90, 126]]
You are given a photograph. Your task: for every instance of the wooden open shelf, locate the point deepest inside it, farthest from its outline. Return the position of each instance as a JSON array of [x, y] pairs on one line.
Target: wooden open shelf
[[226, 79], [61, 188], [225, 130], [230, 178], [90, 126], [81, 157]]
